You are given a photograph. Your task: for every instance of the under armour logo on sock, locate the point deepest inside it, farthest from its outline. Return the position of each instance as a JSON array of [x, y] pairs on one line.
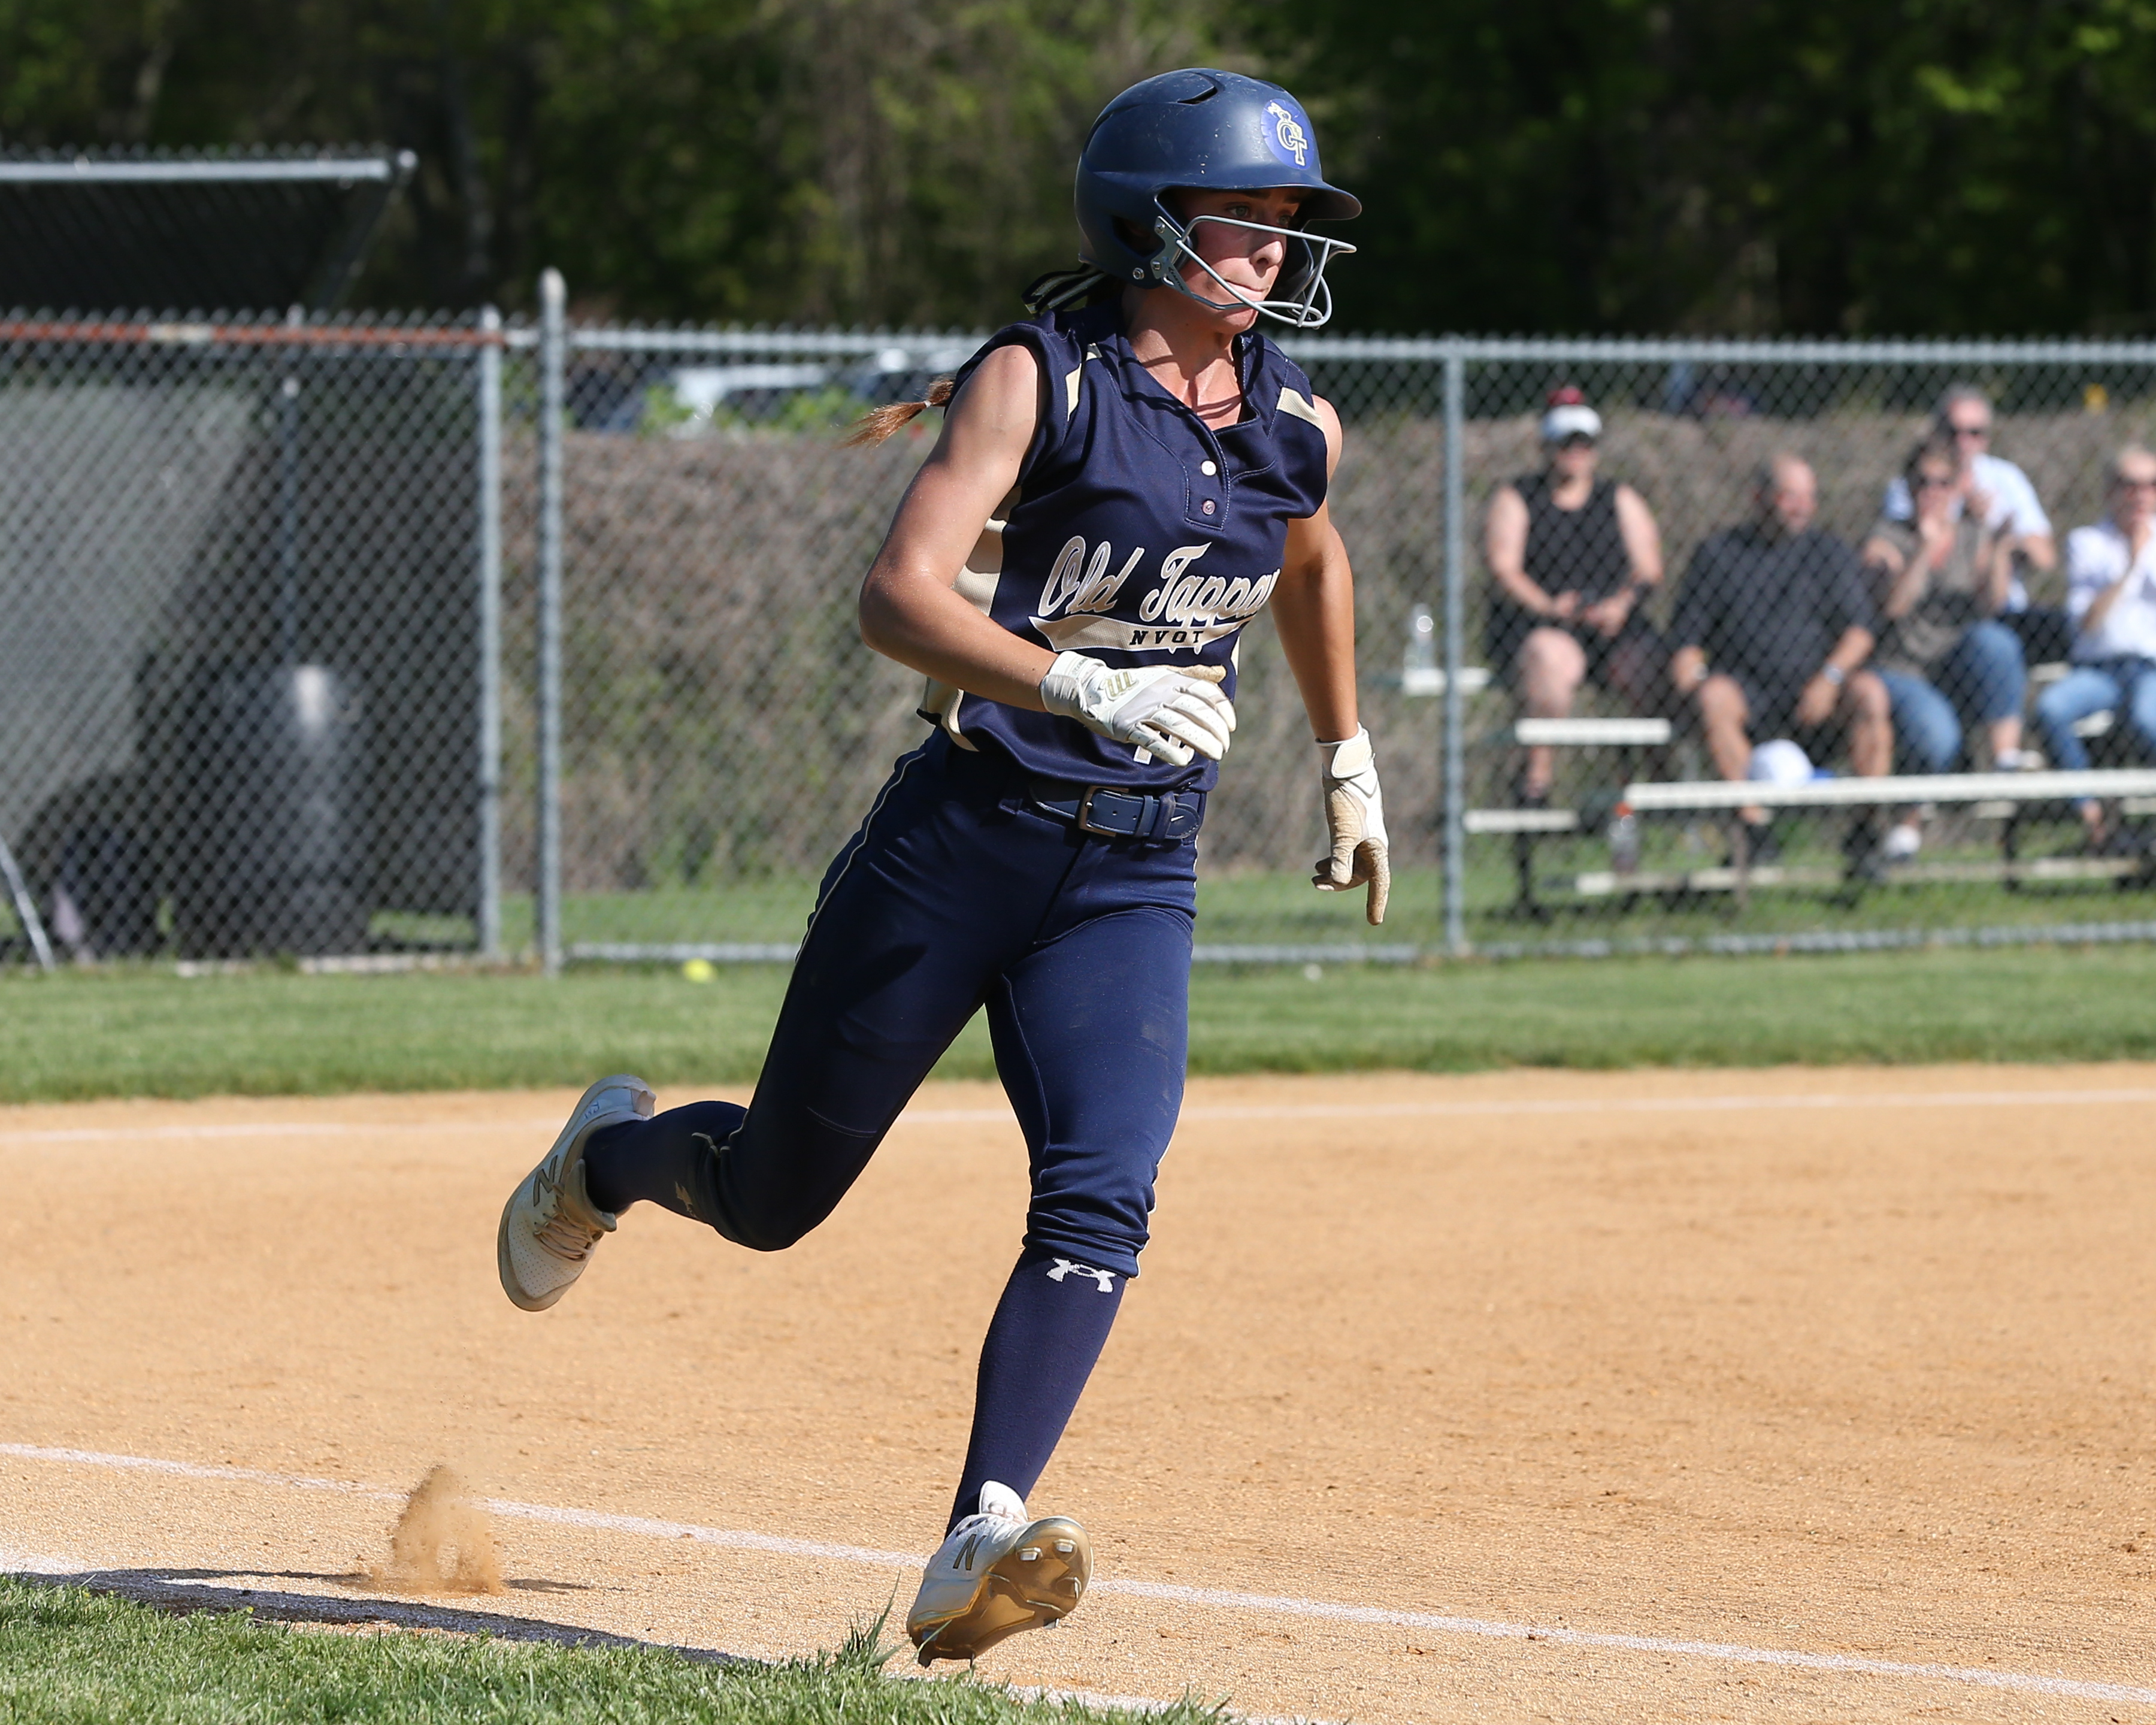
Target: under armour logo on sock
[[1063, 1267]]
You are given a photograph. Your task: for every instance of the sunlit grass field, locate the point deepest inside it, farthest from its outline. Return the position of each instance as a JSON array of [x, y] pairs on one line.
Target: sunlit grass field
[[1953, 886], [146, 1030], [70, 1655]]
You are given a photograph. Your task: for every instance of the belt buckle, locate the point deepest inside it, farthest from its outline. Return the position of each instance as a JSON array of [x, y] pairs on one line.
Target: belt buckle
[[1086, 815]]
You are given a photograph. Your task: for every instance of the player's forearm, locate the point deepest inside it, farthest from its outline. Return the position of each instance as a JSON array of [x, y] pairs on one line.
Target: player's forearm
[[1314, 611], [924, 624]]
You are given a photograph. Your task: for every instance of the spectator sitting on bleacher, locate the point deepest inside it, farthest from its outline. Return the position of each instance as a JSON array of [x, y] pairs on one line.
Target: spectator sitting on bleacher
[[1773, 625], [2000, 495], [1940, 581], [2110, 595], [1574, 559]]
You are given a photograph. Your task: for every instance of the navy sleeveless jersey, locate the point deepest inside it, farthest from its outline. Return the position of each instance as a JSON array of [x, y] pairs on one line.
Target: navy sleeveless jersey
[[1137, 534]]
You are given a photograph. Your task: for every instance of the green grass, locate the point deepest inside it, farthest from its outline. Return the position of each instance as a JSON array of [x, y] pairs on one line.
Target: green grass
[[1890, 1009], [1279, 908], [66, 1656], [148, 1032], [1244, 907], [1952, 886]]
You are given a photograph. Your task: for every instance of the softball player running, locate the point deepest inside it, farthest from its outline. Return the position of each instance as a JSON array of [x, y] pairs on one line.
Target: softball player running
[[1152, 472]]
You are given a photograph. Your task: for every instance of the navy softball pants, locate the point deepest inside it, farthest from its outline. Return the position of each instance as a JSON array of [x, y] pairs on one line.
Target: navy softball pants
[[957, 894]]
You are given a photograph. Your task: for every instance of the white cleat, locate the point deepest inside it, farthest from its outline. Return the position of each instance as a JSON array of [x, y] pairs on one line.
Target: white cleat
[[549, 1226], [997, 1573]]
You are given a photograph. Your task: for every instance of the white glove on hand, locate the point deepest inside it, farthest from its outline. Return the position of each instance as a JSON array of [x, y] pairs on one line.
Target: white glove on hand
[[1169, 712], [1355, 817]]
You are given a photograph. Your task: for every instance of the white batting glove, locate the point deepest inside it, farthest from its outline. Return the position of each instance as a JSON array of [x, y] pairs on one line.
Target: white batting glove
[[1355, 817], [1170, 712]]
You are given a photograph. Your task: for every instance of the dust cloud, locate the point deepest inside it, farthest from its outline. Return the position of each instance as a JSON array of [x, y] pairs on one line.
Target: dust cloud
[[442, 1543]]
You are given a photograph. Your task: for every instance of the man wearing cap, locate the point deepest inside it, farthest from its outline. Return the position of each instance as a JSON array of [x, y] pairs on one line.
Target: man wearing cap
[[1574, 559]]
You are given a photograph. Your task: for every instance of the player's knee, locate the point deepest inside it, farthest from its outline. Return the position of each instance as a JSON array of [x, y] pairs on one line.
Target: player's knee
[[764, 1237], [784, 1172], [1107, 1237], [773, 1227]]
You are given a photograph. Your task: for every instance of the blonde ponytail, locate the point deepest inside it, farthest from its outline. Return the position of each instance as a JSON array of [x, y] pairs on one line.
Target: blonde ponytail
[[877, 425]]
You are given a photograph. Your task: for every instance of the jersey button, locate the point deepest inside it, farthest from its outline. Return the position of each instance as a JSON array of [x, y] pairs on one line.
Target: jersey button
[[1207, 506], [1208, 469]]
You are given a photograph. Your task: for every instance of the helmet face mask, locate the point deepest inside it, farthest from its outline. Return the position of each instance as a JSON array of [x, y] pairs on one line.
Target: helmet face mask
[[1208, 131], [1300, 298]]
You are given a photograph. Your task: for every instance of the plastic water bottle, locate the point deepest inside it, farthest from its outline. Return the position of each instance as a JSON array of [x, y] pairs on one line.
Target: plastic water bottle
[[1419, 671]]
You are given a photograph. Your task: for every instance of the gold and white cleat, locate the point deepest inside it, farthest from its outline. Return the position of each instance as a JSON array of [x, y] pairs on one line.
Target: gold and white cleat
[[995, 1574], [549, 1225]]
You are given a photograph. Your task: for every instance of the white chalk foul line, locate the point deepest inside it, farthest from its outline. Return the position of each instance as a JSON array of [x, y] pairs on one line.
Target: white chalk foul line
[[1199, 1114], [1215, 1598], [199, 1471], [1729, 1651]]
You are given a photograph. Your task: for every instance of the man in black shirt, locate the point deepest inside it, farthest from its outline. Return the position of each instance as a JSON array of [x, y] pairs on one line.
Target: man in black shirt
[[1772, 629]]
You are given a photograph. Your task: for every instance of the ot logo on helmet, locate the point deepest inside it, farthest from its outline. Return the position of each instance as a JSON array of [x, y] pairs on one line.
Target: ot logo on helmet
[[1290, 142]]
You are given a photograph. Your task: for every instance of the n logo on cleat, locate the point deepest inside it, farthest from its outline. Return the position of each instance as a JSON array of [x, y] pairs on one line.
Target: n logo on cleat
[[1064, 1266]]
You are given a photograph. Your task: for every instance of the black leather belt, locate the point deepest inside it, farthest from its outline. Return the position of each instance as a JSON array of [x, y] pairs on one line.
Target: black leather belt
[[1120, 814]]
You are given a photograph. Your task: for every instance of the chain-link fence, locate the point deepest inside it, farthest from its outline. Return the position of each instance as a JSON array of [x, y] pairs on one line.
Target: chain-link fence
[[1801, 567], [285, 605], [723, 726], [248, 592]]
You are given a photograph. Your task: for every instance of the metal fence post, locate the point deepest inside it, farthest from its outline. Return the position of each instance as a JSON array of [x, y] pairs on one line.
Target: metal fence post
[[553, 354], [26, 910], [1455, 788], [288, 503], [490, 636]]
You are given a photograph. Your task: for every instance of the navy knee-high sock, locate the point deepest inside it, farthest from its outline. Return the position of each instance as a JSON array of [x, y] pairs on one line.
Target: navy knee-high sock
[[670, 1160], [1049, 1329]]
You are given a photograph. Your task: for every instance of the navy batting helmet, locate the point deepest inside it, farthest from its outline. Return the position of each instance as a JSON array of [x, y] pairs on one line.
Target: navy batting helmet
[[1218, 131]]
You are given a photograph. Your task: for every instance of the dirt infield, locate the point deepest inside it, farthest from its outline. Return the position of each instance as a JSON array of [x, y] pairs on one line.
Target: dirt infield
[[1672, 1395]]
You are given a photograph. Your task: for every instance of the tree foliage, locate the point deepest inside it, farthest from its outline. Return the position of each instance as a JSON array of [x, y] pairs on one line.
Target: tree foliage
[[800, 160], [1800, 165], [1546, 164]]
